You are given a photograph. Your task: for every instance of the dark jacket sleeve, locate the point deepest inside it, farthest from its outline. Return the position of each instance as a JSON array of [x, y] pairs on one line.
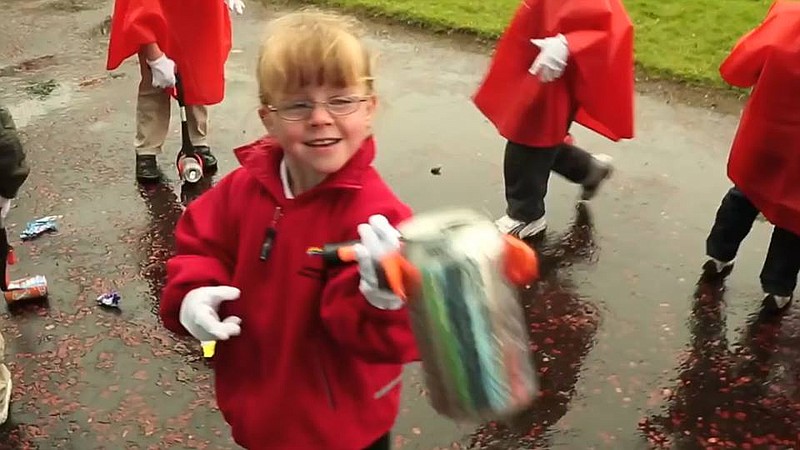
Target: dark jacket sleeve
[[13, 168]]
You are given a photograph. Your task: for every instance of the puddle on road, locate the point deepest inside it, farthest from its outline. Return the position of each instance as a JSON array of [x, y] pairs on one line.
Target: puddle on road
[[30, 109], [741, 395], [30, 65], [562, 325], [164, 209]]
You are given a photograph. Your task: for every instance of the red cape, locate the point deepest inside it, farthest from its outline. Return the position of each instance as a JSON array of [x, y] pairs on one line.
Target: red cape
[[765, 157], [597, 86], [196, 34]]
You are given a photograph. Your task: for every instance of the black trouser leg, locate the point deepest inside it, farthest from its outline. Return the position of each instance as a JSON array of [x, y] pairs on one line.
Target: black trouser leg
[[527, 173], [383, 443], [734, 221], [573, 163], [782, 265]]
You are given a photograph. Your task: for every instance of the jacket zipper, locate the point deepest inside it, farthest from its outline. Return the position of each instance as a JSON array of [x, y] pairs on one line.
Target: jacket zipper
[[327, 385], [269, 238]]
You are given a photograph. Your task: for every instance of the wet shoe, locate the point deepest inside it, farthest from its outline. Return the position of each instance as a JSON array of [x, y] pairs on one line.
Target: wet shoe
[[716, 270], [147, 169], [521, 229], [209, 160], [600, 172], [776, 303]]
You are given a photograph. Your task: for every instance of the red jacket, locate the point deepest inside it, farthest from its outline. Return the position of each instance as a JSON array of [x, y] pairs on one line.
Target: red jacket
[[196, 34], [765, 157], [316, 366], [596, 89]]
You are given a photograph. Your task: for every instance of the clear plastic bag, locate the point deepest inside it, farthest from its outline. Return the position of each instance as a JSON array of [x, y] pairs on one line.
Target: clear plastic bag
[[466, 317]]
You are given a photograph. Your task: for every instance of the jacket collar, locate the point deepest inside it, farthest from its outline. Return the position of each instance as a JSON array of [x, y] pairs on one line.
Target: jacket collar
[[263, 157]]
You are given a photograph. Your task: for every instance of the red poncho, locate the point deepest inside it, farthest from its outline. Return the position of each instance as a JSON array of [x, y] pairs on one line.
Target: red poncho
[[196, 34], [596, 87], [765, 157]]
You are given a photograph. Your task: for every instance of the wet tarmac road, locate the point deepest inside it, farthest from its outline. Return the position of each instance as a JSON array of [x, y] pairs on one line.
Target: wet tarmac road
[[632, 353]]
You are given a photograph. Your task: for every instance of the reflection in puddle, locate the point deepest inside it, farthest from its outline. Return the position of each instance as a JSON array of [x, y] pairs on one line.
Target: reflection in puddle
[[562, 327], [164, 209], [740, 396]]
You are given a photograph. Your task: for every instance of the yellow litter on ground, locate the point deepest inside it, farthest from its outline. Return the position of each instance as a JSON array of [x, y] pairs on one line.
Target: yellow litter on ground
[[208, 348]]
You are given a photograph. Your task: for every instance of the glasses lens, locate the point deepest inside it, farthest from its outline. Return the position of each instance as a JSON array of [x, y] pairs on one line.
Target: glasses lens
[[337, 106], [343, 105], [295, 110]]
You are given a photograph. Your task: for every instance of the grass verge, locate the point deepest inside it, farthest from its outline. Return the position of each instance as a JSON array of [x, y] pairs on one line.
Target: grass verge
[[679, 40]]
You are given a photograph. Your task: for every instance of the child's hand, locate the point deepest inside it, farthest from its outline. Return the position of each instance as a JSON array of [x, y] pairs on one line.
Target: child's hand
[[552, 59], [235, 5], [199, 313], [378, 239], [163, 70]]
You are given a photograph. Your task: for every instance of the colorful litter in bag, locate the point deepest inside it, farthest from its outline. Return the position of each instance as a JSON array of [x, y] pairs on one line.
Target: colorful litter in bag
[[466, 315]]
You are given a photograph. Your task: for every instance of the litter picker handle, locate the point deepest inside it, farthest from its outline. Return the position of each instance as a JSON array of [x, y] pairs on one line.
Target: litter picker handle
[[179, 94], [391, 272], [187, 148], [338, 254]]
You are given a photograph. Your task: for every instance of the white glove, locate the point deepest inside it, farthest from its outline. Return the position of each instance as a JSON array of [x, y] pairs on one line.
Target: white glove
[[552, 58], [235, 5], [378, 239], [163, 70], [5, 206], [199, 313]]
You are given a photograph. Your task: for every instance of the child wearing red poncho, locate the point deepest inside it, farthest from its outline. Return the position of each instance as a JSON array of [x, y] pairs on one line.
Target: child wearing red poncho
[[192, 36], [764, 163], [559, 61]]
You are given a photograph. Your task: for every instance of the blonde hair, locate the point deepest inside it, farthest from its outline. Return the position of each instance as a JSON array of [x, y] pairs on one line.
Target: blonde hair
[[312, 47]]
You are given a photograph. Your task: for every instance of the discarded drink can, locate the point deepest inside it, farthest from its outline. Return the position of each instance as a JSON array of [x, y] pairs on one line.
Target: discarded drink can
[[26, 289], [190, 168], [466, 316]]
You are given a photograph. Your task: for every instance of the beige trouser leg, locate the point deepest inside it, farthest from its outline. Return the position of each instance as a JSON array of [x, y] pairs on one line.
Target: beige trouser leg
[[153, 109], [5, 383]]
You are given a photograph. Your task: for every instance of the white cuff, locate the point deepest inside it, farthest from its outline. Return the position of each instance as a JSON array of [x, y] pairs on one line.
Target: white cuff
[[157, 61]]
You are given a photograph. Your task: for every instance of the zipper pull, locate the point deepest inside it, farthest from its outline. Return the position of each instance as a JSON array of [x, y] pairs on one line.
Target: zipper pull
[[269, 239], [266, 247]]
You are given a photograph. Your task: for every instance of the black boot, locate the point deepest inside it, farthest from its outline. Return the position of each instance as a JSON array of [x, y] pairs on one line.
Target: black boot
[[209, 160], [776, 304], [147, 169], [601, 169]]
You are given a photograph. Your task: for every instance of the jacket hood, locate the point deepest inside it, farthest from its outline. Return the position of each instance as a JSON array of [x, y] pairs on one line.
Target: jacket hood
[[263, 157]]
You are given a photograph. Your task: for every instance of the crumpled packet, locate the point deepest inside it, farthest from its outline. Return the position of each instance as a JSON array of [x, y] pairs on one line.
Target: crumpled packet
[[39, 226], [110, 299]]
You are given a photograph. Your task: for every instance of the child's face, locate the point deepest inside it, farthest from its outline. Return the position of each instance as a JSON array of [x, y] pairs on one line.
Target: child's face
[[320, 137]]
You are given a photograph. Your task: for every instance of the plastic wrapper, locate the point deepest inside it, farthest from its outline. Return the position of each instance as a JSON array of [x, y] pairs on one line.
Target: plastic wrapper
[[26, 288], [466, 317], [109, 300], [40, 226]]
